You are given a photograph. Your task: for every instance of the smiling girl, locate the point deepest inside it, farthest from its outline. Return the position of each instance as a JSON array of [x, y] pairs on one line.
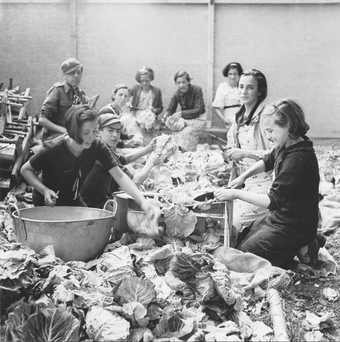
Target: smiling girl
[[292, 200], [66, 166]]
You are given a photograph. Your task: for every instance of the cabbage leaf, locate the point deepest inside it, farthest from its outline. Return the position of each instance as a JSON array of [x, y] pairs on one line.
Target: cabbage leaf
[[51, 325], [134, 289]]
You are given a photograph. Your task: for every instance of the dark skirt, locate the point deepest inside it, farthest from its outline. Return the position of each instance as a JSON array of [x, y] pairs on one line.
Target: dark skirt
[[279, 245]]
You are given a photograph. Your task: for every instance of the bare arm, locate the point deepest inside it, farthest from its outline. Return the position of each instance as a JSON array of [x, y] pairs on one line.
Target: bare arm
[[237, 154], [255, 154], [140, 176], [130, 187], [127, 185], [29, 175], [259, 200], [135, 155], [256, 168]]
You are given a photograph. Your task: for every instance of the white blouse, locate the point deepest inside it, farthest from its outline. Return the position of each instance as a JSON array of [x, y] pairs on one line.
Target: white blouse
[[227, 96]]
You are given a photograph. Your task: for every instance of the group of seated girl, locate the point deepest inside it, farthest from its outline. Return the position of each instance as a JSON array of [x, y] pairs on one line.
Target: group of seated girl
[[145, 100]]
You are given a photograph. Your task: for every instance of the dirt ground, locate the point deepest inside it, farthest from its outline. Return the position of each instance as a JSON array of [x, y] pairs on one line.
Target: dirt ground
[[305, 293]]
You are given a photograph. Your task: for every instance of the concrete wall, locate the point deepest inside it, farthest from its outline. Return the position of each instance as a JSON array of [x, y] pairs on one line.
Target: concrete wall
[[298, 49], [165, 37], [297, 46]]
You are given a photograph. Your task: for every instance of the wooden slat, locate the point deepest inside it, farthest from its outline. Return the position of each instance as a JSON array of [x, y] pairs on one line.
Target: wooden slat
[[22, 112], [211, 58], [25, 151]]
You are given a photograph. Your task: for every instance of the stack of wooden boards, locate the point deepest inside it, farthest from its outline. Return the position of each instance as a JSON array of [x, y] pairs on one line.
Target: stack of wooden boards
[[16, 130]]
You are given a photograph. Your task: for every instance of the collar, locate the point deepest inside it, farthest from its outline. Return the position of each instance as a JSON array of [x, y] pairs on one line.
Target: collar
[[187, 92], [140, 88], [255, 117], [67, 87], [305, 145], [258, 111]]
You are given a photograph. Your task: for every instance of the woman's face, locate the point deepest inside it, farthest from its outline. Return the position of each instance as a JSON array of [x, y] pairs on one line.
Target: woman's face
[[88, 133], [248, 89], [110, 135], [122, 97], [274, 133], [233, 77], [74, 78], [145, 81], [182, 84]]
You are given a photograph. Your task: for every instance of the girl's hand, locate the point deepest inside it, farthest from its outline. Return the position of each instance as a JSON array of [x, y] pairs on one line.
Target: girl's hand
[[50, 197], [163, 116], [238, 182], [155, 160], [152, 144], [222, 194], [235, 154], [151, 210], [176, 115]]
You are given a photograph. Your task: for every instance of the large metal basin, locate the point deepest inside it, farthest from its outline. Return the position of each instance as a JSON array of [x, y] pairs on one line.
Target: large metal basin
[[76, 233]]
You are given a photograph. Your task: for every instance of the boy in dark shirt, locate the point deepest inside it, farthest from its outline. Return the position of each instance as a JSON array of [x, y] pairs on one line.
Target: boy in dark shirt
[[189, 97], [99, 185]]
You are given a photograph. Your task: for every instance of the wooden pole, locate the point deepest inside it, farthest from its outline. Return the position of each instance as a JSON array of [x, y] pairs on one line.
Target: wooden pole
[[211, 58], [22, 112], [277, 316], [24, 153]]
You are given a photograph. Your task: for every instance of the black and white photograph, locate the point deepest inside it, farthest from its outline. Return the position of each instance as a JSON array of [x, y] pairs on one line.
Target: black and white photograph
[[169, 170]]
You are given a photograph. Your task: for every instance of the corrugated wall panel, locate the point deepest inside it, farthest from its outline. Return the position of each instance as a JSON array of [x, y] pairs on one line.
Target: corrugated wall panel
[[34, 39]]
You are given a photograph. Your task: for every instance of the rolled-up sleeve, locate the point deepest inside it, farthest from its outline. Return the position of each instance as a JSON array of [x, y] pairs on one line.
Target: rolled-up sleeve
[[49, 108]]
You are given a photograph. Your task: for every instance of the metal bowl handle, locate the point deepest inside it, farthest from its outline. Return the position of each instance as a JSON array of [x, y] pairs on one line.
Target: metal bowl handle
[[15, 210], [114, 204]]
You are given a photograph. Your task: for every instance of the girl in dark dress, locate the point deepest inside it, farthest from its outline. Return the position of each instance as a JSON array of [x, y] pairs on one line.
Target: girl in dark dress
[[291, 222]]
